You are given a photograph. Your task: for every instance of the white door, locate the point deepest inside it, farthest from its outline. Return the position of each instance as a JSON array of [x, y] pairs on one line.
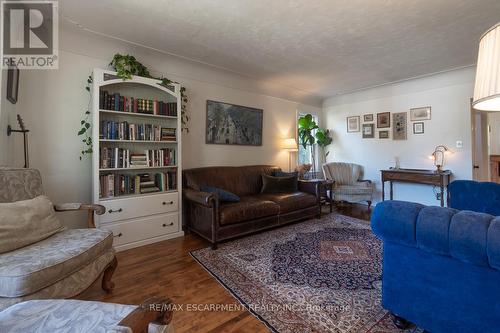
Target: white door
[[480, 159]]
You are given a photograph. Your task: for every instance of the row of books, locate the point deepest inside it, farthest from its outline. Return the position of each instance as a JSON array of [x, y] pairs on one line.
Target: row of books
[[112, 130], [114, 185], [111, 158], [117, 102]]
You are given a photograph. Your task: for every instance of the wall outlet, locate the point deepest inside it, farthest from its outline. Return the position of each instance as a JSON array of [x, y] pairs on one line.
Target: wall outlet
[[460, 144]]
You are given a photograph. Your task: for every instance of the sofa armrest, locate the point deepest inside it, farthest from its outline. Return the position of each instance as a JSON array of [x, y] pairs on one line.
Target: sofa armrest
[[90, 208], [310, 186], [203, 198], [157, 310], [467, 236]]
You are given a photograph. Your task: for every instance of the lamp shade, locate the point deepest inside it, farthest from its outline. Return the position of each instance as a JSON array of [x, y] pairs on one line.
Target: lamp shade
[[290, 144], [487, 86]]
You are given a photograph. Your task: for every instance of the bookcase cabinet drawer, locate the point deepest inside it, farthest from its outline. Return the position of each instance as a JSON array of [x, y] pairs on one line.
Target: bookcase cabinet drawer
[[143, 228], [127, 208]]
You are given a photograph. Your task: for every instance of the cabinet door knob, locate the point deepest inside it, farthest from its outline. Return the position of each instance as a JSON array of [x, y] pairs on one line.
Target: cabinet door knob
[[168, 225], [170, 203], [119, 235], [115, 211]]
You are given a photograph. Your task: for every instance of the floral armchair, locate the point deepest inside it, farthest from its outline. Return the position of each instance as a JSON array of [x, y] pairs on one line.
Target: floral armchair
[[349, 185], [60, 266]]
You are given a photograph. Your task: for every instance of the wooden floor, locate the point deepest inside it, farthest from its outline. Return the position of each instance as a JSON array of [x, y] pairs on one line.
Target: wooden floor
[[167, 269]]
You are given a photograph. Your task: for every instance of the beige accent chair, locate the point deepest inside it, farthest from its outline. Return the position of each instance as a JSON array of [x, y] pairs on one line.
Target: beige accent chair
[[60, 266], [349, 185]]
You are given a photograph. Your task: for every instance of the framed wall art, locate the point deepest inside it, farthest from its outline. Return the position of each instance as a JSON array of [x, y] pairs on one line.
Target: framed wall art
[[418, 128], [418, 114], [368, 118], [383, 120], [230, 124], [368, 131], [383, 134], [353, 124], [399, 129]]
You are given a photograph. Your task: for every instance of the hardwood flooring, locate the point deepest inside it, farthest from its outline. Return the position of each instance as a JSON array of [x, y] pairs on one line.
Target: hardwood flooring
[[167, 269]]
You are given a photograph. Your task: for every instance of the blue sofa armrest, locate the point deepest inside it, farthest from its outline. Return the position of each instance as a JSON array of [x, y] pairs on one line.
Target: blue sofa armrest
[[481, 197], [464, 235]]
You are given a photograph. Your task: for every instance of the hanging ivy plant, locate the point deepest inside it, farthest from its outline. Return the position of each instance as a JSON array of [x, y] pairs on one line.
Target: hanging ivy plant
[[85, 129], [126, 66]]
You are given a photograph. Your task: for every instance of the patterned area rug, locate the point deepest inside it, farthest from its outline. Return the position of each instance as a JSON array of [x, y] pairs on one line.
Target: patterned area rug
[[315, 276]]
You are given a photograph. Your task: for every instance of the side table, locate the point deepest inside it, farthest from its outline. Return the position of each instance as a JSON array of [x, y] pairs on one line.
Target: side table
[[324, 185]]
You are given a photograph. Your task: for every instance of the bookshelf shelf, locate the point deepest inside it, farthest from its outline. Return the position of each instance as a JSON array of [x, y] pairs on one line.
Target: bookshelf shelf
[[139, 168], [139, 141], [133, 114], [126, 196], [137, 218]]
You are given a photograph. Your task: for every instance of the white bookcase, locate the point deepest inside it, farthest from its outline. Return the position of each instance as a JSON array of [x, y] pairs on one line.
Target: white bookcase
[[136, 217]]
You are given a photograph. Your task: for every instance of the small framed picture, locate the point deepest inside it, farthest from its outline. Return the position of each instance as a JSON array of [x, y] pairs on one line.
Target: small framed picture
[[383, 120], [12, 84], [368, 118], [353, 124], [418, 128], [418, 114], [368, 131], [383, 134]]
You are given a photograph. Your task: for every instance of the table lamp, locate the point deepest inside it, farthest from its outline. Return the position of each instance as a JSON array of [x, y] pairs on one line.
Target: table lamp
[[290, 144], [439, 156], [487, 86]]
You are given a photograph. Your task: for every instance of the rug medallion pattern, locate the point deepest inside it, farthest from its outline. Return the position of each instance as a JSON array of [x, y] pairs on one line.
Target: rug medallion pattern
[[315, 276]]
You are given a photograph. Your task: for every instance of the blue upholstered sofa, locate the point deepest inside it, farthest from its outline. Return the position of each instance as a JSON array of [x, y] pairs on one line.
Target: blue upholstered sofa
[[441, 266]]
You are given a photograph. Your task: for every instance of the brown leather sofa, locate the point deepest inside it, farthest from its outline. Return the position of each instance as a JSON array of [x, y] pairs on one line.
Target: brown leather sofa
[[217, 221]]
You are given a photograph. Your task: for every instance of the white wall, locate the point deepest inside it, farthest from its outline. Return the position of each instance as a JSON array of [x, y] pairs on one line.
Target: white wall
[[52, 103], [449, 96], [494, 137]]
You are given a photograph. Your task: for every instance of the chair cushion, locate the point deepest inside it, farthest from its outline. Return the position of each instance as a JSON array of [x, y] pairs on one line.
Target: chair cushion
[[357, 188], [249, 208], [33, 267], [289, 202], [70, 316], [26, 222]]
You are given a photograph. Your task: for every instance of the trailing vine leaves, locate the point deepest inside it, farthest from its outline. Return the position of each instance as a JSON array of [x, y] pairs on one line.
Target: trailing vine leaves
[[85, 129], [126, 66]]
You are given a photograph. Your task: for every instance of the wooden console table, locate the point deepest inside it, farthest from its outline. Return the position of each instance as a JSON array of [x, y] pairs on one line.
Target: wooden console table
[[417, 176], [495, 168]]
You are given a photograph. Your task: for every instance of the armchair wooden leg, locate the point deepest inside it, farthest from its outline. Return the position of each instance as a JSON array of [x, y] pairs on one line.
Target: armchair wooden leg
[[369, 204], [214, 246], [107, 284]]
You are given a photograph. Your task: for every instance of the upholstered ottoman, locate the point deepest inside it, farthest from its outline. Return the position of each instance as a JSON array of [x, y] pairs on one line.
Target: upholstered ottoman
[[71, 316]]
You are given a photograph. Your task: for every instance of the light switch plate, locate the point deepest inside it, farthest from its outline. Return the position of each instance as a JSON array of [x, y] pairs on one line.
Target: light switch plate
[[460, 144]]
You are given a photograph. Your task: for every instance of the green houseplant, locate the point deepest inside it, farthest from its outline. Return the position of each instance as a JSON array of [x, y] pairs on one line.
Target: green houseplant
[[307, 126], [323, 140]]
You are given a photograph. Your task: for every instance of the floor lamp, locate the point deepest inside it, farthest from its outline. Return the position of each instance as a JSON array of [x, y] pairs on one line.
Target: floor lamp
[[290, 145]]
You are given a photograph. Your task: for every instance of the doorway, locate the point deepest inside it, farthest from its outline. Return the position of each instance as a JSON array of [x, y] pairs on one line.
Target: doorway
[[480, 146]]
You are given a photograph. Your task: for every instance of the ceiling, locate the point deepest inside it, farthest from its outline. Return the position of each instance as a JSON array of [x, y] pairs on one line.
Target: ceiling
[[320, 47]]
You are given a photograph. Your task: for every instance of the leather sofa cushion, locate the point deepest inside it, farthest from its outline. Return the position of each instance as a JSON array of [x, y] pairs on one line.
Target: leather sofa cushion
[[289, 202], [249, 208]]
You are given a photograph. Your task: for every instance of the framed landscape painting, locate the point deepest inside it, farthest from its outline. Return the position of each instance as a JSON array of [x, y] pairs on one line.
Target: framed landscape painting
[[418, 114], [353, 124], [229, 124]]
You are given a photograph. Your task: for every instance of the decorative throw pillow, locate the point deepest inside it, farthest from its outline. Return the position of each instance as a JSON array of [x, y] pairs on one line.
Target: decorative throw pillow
[[26, 222], [223, 194], [272, 184], [279, 173]]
